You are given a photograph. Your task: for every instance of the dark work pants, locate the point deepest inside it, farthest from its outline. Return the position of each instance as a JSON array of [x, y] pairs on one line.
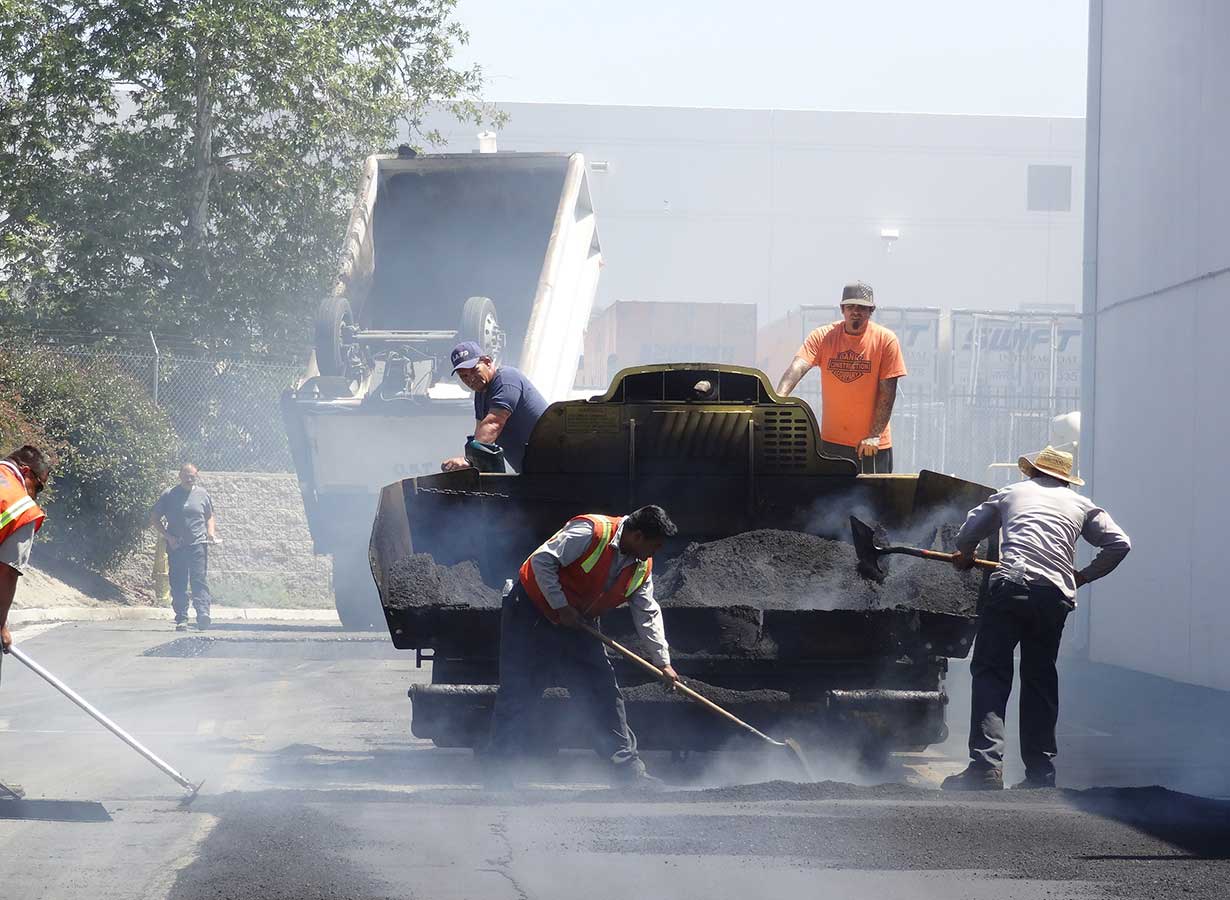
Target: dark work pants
[[880, 464], [1032, 616], [189, 565], [536, 654]]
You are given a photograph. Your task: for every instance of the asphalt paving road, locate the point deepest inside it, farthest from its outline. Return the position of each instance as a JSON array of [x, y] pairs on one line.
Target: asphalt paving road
[[315, 788]]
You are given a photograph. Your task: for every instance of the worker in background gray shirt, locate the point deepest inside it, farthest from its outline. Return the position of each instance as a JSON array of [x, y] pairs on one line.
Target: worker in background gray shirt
[[1031, 595], [184, 516]]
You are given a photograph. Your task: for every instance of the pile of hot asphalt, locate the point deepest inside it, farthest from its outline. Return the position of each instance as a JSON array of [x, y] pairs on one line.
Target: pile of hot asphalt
[[765, 569]]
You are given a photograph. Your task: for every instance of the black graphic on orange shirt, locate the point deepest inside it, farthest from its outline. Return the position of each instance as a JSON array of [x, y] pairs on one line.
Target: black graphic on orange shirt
[[849, 365]]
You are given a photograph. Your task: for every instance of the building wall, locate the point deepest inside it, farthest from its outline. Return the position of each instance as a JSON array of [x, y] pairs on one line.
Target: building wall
[[1157, 305], [781, 208]]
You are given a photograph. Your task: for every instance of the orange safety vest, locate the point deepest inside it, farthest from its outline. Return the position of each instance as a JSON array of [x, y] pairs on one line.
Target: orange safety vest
[[17, 507], [584, 581]]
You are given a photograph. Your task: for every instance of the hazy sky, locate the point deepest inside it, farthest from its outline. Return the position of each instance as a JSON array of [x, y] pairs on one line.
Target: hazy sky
[[1012, 57]]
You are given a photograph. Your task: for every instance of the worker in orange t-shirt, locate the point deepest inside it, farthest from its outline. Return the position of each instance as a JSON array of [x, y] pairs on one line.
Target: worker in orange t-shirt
[[859, 364]]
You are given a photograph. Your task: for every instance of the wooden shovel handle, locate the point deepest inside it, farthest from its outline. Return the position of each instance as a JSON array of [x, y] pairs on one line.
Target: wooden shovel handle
[[678, 685], [947, 557]]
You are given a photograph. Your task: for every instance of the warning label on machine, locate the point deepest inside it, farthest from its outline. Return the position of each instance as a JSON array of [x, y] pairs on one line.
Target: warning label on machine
[[591, 420]]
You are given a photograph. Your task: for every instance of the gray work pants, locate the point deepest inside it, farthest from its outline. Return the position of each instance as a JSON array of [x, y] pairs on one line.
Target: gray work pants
[[536, 654]]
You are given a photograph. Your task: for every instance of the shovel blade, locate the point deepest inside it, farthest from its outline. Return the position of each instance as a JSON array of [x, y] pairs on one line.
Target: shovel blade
[[864, 539]]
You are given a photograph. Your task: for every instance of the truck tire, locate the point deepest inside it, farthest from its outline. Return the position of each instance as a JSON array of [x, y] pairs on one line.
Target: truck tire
[[481, 324], [332, 356], [354, 593]]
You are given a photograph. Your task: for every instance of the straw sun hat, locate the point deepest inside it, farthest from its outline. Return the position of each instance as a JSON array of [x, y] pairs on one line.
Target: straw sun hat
[[1051, 462]]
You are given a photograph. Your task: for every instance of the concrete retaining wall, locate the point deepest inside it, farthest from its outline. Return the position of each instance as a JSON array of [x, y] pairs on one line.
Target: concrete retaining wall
[[266, 556]]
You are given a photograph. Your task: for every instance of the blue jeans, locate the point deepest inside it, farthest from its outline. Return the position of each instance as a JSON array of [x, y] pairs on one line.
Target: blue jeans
[[189, 565], [1033, 616], [536, 654]]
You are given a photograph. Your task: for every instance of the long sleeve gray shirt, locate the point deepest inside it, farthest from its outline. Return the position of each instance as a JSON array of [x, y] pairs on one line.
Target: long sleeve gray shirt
[[566, 547], [1041, 519]]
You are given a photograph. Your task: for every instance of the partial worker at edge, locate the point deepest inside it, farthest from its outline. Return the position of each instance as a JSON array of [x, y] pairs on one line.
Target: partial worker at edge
[[24, 475]]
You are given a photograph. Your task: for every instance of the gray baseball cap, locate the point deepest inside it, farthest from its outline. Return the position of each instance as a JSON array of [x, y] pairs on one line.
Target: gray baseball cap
[[858, 294]]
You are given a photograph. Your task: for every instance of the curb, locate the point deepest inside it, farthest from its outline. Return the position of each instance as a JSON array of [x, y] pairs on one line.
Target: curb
[[55, 614]]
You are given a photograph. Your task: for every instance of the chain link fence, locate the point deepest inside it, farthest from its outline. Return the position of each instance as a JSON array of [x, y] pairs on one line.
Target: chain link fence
[[224, 411], [978, 438], [1010, 376]]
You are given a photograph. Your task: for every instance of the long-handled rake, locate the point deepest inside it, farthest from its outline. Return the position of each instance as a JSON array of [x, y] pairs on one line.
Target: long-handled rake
[[115, 729], [789, 743]]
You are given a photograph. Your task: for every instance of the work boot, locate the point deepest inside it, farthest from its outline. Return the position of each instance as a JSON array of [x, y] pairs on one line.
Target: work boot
[[181, 623], [1035, 782], [202, 622], [975, 778], [632, 776]]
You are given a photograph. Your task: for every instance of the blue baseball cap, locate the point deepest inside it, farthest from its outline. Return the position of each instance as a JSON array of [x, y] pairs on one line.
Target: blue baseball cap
[[466, 355]]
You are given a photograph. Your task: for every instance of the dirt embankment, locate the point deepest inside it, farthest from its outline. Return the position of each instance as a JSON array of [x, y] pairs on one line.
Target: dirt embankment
[[49, 583]]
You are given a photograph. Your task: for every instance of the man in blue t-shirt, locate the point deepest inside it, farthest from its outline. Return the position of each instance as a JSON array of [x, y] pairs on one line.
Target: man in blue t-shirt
[[506, 404]]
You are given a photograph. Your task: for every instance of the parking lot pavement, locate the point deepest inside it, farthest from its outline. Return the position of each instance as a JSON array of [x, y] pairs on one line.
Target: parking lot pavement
[[315, 788]]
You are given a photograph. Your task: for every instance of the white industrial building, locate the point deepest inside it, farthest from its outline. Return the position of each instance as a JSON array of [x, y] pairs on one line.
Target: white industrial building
[[780, 208], [1157, 310]]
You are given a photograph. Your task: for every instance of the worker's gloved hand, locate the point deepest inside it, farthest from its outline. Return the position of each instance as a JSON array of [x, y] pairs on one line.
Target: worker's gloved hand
[[452, 465], [868, 446], [569, 617], [6, 639], [963, 560], [671, 676]]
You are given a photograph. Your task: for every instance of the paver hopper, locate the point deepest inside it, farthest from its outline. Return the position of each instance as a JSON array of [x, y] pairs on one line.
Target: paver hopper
[[716, 447]]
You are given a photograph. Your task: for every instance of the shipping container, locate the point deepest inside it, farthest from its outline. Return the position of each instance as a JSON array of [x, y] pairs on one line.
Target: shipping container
[[1025, 354], [638, 333]]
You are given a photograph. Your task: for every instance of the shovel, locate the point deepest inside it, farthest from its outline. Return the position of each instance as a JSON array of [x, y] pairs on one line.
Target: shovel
[[119, 732], [789, 743], [869, 552]]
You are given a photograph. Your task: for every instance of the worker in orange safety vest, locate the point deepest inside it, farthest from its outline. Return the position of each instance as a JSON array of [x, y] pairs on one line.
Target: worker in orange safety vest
[[592, 565], [23, 475]]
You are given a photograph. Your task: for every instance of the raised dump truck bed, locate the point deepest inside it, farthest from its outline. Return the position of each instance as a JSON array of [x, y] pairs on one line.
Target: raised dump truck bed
[[498, 248], [766, 610]]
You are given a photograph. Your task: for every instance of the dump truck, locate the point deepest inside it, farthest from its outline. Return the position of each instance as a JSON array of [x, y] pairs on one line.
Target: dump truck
[[729, 459], [498, 248]]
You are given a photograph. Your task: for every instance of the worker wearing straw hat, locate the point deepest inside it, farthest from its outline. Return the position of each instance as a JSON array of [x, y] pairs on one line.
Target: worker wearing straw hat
[[1031, 595]]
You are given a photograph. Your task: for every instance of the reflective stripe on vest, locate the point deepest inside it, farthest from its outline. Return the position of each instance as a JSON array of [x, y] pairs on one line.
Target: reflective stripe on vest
[[13, 510], [592, 560], [638, 578]]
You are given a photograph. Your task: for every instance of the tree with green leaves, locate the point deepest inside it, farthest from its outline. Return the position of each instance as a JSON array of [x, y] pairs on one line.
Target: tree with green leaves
[[187, 166]]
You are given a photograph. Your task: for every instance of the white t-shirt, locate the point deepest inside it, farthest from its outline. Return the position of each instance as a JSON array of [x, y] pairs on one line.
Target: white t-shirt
[[15, 551]]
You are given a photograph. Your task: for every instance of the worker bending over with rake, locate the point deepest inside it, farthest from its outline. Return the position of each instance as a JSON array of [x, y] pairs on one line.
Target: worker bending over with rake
[[23, 475], [1032, 592], [592, 565]]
